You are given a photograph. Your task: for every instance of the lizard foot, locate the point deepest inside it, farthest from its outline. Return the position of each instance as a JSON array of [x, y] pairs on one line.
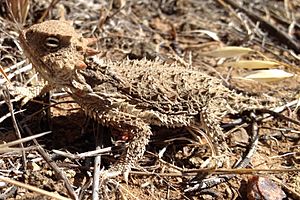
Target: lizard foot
[[109, 185], [117, 170]]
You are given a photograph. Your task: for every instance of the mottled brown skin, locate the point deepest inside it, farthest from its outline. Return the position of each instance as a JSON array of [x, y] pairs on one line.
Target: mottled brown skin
[[130, 95]]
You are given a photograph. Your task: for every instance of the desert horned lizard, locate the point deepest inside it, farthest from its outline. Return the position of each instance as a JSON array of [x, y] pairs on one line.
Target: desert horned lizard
[[130, 95]]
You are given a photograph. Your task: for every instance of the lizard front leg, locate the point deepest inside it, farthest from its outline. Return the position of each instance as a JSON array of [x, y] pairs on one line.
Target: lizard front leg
[[125, 122], [134, 151]]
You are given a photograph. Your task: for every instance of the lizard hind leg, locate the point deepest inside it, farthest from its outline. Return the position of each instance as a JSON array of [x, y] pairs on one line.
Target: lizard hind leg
[[210, 123]]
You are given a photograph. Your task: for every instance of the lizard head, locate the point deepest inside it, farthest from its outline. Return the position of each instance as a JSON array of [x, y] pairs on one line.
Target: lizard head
[[56, 51]]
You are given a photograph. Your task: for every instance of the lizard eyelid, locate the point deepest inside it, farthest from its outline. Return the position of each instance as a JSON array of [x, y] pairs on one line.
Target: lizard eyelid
[[52, 42]]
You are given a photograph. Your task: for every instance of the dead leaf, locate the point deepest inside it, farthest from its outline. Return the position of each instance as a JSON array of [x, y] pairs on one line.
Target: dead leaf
[[253, 64], [269, 75], [227, 52]]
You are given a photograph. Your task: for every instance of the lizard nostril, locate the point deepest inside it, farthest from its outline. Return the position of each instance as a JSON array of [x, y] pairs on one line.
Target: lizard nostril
[[79, 48]]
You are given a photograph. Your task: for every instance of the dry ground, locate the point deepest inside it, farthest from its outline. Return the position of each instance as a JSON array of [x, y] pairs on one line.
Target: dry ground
[[171, 30]]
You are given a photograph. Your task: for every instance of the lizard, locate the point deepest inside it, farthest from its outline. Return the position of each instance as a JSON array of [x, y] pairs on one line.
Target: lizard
[[130, 95]]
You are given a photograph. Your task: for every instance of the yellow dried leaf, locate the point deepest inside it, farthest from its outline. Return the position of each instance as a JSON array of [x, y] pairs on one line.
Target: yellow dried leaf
[[230, 51], [269, 75], [253, 64]]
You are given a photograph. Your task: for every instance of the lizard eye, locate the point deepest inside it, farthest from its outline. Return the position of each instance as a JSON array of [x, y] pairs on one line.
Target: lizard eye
[[52, 42]]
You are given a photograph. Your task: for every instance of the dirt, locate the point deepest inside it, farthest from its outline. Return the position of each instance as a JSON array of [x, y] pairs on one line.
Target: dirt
[[174, 31]]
